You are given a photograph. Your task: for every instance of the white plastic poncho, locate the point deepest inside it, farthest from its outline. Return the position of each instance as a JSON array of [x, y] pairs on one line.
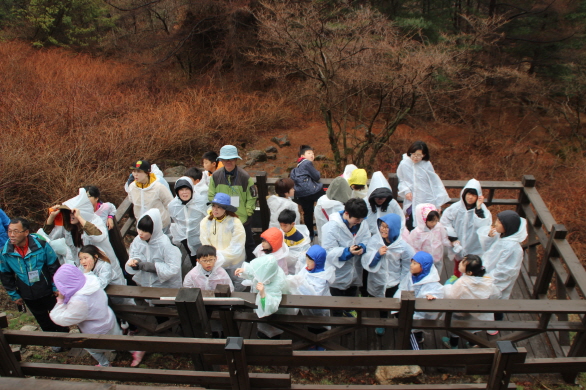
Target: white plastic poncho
[[422, 182], [503, 257], [473, 287], [160, 251], [103, 271], [200, 278], [157, 195], [316, 284], [104, 211], [428, 240], [333, 201], [464, 224], [228, 237], [281, 255], [277, 204], [265, 270], [186, 218], [337, 237], [102, 241], [378, 182], [296, 259], [88, 309], [394, 265], [429, 285], [61, 249]]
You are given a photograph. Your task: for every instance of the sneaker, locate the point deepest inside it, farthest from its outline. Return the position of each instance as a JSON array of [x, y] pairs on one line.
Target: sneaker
[[492, 332], [446, 343], [353, 313], [380, 331], [137, 358], [57, 349]]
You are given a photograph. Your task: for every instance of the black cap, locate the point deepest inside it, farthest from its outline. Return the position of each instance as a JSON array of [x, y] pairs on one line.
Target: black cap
[[143, 165]]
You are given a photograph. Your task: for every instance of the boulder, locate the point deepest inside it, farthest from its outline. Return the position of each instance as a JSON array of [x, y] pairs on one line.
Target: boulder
[[387, 375], [29, 328], [271, 149], [281, 141], [277, 170], [320, 157], [271, 156], [174, 171], [255, 156]]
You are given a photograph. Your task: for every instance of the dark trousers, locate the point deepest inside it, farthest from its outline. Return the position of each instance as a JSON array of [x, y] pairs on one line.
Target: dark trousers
[[307, 203], [192, 258], [336, 292], [40, 308], [249, 245], [389, 293]]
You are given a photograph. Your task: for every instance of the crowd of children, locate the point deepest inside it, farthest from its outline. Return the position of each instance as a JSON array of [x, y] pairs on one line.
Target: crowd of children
[[369, 245]]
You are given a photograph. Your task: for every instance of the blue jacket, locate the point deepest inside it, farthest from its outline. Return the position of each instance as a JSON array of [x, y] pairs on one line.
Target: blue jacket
[[306, 179], [14, 270], [4, 222]]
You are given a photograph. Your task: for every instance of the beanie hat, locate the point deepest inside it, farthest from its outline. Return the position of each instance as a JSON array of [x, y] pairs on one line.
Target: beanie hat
[[68, 279], [510, 220], [273, 236]]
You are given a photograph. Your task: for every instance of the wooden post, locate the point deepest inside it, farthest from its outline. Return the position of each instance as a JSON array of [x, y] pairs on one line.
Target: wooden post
[[558, 232], [405, 319], [394, 183], [501, 366], [577, 349], [9, 366], [528, 182], [229, 325], [263, 192], [236, 359], [194, 320]]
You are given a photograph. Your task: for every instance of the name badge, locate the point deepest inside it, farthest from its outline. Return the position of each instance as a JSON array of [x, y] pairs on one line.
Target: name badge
[[235, 201], [33, 276]]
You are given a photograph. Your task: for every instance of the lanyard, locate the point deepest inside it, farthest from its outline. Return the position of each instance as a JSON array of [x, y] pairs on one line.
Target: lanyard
[[231, 183]]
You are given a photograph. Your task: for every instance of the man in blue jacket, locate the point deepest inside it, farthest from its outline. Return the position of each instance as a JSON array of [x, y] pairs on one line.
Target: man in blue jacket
[[27, 266]]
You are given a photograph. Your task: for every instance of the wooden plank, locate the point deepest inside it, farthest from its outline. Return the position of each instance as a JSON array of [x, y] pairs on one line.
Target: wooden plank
[[454, 386], [140, 292], [9, 365], [132, 374], [51, 384], [237, 366], [145, 310]]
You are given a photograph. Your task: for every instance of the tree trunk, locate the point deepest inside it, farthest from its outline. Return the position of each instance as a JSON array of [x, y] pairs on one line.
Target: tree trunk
[[332, 138]]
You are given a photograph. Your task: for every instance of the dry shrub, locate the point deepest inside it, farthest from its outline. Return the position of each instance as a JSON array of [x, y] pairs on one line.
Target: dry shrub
[[71, 120]]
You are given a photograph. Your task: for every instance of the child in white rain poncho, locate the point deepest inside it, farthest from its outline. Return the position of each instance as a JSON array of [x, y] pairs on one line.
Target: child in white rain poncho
[[381, 202], [473, 284], [223, 230], [82, 302], [418, 182], [82, 227], [285, 189], [429, 235], [423, 279], [153, 259], [187, 210], [105, 210], [268, 280], [463, 219], [94, 261], [344, 238], [272, 243], [503, 254], [147, 189], [208, 273], [357, 182], [388, 260], [296, 238], [333, 201], [60, 247]]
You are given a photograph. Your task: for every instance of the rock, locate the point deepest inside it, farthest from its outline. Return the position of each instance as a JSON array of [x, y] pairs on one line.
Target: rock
[[281, 141], [320, 157], [29, 328], [174, 171], [256, 156], [277, 170], [386, 375], [272, 156], [271, 149]]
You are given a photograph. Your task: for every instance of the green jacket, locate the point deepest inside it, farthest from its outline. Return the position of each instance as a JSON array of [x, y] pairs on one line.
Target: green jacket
[[243, 187]]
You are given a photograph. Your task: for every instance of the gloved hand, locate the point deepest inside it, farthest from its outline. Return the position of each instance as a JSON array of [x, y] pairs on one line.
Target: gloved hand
[[147, 267]]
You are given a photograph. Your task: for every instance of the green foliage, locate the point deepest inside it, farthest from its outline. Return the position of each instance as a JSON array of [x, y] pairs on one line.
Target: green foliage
[[65, 22]]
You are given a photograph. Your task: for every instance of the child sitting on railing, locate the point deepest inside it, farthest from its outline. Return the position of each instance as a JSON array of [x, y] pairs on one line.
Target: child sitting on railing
[[423, 279], [473, 284]]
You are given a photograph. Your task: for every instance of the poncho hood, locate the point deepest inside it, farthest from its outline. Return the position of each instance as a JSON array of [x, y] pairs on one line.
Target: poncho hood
[[339, 190], [318, 255], [393, 221], [82, 203]]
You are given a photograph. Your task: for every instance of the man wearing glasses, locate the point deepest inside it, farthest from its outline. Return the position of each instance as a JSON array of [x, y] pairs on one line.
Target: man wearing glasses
[[27, 266]]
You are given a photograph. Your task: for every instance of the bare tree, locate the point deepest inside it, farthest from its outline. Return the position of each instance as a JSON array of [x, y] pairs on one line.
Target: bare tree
[[362, 72]]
